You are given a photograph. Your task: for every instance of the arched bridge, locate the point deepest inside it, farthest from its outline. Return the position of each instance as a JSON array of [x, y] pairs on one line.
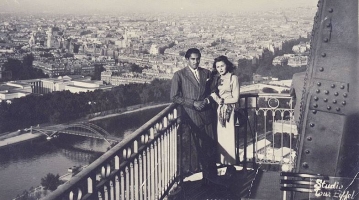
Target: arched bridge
[[84, 129]]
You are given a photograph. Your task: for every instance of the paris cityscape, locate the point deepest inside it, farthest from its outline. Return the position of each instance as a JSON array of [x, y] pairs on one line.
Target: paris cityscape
[[60, 66]]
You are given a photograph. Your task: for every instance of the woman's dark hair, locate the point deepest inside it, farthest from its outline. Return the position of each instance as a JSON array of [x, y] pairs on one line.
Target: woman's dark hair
[[229, 64], [192, 50]]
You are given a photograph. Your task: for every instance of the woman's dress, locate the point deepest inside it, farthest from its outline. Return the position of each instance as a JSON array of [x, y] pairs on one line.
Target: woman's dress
[[228, 89]]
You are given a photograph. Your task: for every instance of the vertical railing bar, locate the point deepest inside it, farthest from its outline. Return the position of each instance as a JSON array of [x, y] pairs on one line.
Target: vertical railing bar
[[155, 172], [112, 190], [181, 156], [140, 175], [175, 163], [122, 184], [274, 112], [245, 135], [265, 135], [162, 160], [105, 192], [149, 170], [282, 136], [145, 170], [127, 183], [167, 160], [255, 130], [163, 164], [152, 173], [117, 188], [131, 181], [290, 137]]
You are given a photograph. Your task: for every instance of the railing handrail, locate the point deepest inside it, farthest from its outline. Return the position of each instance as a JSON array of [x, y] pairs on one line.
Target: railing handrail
[[248, 94], [273, 94], [108, 155], [136, 135]]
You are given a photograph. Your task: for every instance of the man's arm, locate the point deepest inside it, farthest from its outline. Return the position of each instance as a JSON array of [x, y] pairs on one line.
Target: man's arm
[[176, 92]]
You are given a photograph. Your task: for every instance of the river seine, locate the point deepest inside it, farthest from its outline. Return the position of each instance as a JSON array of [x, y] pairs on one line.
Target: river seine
[[23, 166]]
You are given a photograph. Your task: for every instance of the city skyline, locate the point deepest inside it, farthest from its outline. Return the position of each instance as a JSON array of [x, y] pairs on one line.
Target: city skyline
[[123, 6]]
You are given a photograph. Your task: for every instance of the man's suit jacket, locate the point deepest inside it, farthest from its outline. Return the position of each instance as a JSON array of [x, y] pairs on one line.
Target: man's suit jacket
[[186, 89]]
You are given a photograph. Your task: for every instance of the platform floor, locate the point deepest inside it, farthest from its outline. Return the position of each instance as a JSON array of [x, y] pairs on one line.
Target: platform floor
[[250, 184]]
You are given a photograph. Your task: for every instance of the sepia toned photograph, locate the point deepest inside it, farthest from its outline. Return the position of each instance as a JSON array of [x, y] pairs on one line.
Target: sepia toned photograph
[[179, 100]]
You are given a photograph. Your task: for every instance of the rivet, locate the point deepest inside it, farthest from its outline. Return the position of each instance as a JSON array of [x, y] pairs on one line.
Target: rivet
[[324, 54], [315, 105], [330, 10], [305, 165], [316, 98], [311, 125], [344, 103], [314, 111], [319, 84], [345, 95], [321, 69], [334, 101], [317, 91], [337, 109], [342, 87], [325, 100], [332, 86], [309, 138], [326, 92], [329, 107], [336, 93], [307, 151], [326, 40]]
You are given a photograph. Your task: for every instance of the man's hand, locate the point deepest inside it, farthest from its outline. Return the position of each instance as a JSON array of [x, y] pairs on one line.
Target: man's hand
[[199, 105]]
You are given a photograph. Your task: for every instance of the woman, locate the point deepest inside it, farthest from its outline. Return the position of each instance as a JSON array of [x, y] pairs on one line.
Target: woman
[[226, 96]]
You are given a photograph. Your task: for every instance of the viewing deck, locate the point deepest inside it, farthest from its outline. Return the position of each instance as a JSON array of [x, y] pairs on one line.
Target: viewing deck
[[159, 161]]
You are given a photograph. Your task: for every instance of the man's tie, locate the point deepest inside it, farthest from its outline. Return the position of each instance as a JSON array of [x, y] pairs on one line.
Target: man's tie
[[196, 75]]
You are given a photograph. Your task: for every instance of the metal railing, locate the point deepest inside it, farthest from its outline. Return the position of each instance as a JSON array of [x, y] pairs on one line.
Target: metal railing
[[271, 130], [147, 163], [142, 166]]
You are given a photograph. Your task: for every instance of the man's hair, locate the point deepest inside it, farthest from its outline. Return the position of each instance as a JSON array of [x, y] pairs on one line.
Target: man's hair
[[229, 65], [191, 51]]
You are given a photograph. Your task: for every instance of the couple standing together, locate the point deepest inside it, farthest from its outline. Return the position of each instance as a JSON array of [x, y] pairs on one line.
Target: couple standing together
[[197, 89]]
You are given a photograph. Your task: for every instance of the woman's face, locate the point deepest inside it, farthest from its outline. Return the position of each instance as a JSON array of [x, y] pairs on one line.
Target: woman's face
[[221, 67]]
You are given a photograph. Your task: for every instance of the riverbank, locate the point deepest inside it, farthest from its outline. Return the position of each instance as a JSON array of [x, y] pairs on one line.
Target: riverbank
[[145, 107], [17, 137], [25, 137]]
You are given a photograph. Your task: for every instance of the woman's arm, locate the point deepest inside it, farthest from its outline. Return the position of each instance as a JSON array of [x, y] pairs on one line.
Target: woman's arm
[[235, 91], [215, 97]]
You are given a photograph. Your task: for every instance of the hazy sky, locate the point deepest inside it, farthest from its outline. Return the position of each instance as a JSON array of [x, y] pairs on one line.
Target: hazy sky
[[149, 5]]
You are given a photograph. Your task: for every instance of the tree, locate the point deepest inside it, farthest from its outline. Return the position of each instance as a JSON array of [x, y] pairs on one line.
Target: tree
[[50, 181], [145, 95], [244, 70], [136, 68], [98, 69], [23, 70]]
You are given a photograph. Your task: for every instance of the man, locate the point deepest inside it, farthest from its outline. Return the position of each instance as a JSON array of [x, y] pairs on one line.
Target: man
[[190, 87]]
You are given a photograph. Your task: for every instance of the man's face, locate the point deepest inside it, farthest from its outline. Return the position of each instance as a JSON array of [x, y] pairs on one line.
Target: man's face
[[193, 60]]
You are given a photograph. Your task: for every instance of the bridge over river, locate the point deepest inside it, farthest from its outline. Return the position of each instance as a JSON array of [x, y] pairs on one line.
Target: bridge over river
[[84, 129]]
